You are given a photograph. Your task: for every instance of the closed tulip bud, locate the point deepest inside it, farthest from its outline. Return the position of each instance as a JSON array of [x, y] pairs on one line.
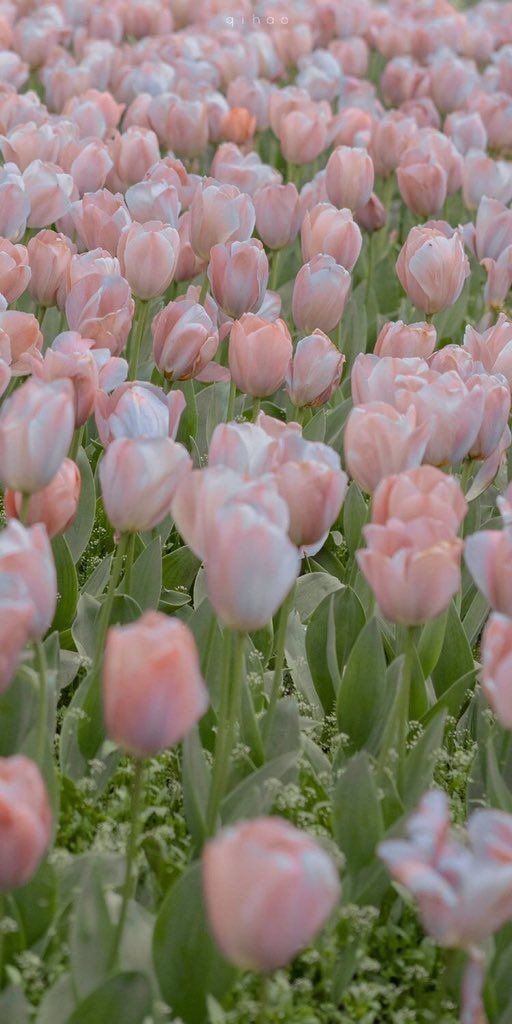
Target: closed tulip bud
[[332, 232], [492, 348], [185, 339], [319, 294], [303, 135], [36, 428], [278, 214], [55, 506], [148, 256], [449, 408], [133, 152], [14, 270], [49, 255], [259, 354], [99, 219], [153, 690], [497, 666], [250, 566], [89, 165], [50, 192], [269, 889], [14, 203], [349, 177], [499, 279], [101, 308], [138, 409], [413, 568], [25, 821], [378, 379], [493, 229], [373, 215], [15, 618], [467, 131], [247, 448], [22, 330], [310, 479], [406, 341], [219, 214], [139, 477], [393, 134], [495, 416], [315, 371], [27, 554], [238, 125], [380, 442], [483, 176], [198, 496], [425, 491], [154, 200], [432, 268], [423, 187], [488, 557], [238, 275]]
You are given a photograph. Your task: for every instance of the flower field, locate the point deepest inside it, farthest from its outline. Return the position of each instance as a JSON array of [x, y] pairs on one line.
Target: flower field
[[256, 512]]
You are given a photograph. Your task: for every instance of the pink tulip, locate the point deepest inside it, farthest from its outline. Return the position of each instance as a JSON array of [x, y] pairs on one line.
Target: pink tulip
[[153, 691], [466, 130], [454, 357], [380, 442], [185, 339], [89, 163], [133, 152], [423, 187], [36, 428], [95, 261], [278, 214], [303, 136], [22, 330], [14, 270], [493, 229], [423, 492], [497, 666], [309, 478], [99, 219], [219, 214], [332, 232], [259, 355], [450, 409], [499, 279], [49, 191], [139, 477], [483, 176], [393, 134], [488, 557], [406, 341], [101, 308], [25, 821], [319, 295], [379, 378], [238, 275], [198, 497], [431, 146], [315, 371], [14, 203], [269, 889], [55, 506], [349, 178], [373, 215], [15, 618], [70, 357], [247, 448], [413, 568], [493, 347], [49, 256], [153, 200], [27, 554], [138, 409], [245, 171], [432, 268], [181, 125], [148, 255], [495, 413]]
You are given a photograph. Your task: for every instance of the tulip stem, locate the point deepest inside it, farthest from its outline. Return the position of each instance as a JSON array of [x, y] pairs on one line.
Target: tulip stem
[[76, 444], [231, 402], [25, 499], [128, 565], [204, 289], [130, 877], [256, 406], [233, 657], [138, 334], [277, 679], [274, 274], [106, 609], [264, 1000], [369, 269], [42, 715]]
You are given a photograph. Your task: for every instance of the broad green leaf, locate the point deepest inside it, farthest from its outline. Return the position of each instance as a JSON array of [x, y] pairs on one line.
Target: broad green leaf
[[431, 643], [311, 590], [361, 696], [355, 516], [67, 584], [330, 636], [179, 569], [123, 998], [37, 904], [78, 534], [421, 761], [14, 1008], [18, 711], [456, 658], [498, 793], [92, 934], [146, 582], [196, 785], [356, 813], [253, 796]]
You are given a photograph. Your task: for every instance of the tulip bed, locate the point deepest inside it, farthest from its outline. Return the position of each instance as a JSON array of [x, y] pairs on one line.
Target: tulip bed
[[256, 537]]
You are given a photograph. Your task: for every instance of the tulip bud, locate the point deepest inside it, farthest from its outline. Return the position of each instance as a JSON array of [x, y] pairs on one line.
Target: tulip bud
[[36, 429], [153, 690], [349, 177], [14, 270], [99, 219], [380, 442], [49, 192], [15, 619], [238, 274], [25, 821], [406, 341], [101, 308], [319, 294], [423, 187], [138, 480], [497, 666], [315, 371], [219, 214], [55, 505], [278, 214], [185, 339], [269, 888], [332, 232], [310, 479], [488, 555], [425, 491], [27, 554], [49, 255], [148, 256], [259, 354], [432, 268], [373, 215], [138, 409]]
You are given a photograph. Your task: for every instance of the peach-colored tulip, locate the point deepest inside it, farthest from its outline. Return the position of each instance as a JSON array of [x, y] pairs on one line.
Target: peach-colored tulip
[[315, 371], [181, 125], [133, 152], [488, 557], [27, 554], [432, 268], [245, 171], [483, 176], [496, 650], [139, 477], [454, 357], [14, 203], [250, 566], [99, 219], [247, 448], [95, 261], [451, 410], [154, 200], [153, 690], [89, 163], [50, 192], [393, 134], [378, 378], [413, 568], [349, 177], [422, 492], [423, 187], [379, 442], [466, 130], [138, 409], [49, 256], [185, 339], [22, 330], [101, 308], [310, 479], [219, 214], [303, 135], [148, 255], [499, 279], [238, 125], [259, 354], [25, 821], [238, 275], [334, 232], [198, 496], [319, 294], [278, 214], [70, 357], [55, 505], [36, 428], [406, 341], [432, 146], [14, 270], [493, 347], [373, 215], [495, 414], [269, 889]]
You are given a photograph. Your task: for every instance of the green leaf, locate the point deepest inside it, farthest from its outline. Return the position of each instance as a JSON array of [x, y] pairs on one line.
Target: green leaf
[[92, 934], [78, 534], [179, 569], [146, 583], [253, 797], [431, 643], [37, 904], [311, 590], [18, 711], [498, 793], [330, 636], [95, 584], [421, 761], [453, 698], [196, 786], [58, 1003], [356, 813], [84, 628], [315, 429], [187, 963], [14, 1008], [67, 584], [361, 696], [456, 658], [355, 516], [125, 997]]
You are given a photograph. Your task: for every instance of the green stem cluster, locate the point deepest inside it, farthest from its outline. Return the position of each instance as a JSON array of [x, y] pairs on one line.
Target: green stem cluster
[[232, 673]]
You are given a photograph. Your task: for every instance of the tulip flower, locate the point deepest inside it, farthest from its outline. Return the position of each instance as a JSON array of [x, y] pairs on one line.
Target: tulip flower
[[99, 219], [406, 341], [349, 177], [27, 554], [309, 477], [425, 491], [36, 428], [49, 191], [14, 270], [315, 371], [493, 347], [423, 187], [259, 354], [148, 256], [238, 275], [497, 666], [139, 477], [332, 232], [25, 821], [278, 214], [49, 255], [185, 339], [432, 268], [319, 295], [488, 555], [452, 411], [138, 409], [55, 506], [15, 618], [219, 214], [379, 378], [380, 442], [247, 448], [101, 308]]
